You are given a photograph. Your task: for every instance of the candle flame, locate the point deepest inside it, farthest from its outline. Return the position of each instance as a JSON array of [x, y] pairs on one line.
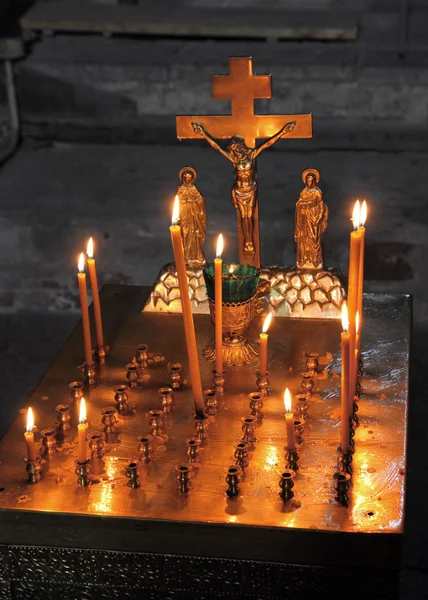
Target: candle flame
[[357, 322], [287, 400], [30, 420], [345, 321], [231, 269], [82, 413], [90, 248], [81, 262], [219, 250], [176, 211], [356, 215], [266, 323], [363, 214]]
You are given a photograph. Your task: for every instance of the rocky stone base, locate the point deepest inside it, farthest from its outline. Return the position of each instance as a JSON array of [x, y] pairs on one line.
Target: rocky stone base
[[285, 291]]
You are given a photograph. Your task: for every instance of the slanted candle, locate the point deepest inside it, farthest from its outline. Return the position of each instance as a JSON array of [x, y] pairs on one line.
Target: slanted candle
[[95, 293], [362, 230], [189, 327], [353, 285], [29, 436], [218, 279], [263, 346], [289, 421], [81, 277], [344, 383], [81, 432]]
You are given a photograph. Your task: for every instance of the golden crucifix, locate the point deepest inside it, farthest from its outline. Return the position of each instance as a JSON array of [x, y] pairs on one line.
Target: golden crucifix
[[242, 127]]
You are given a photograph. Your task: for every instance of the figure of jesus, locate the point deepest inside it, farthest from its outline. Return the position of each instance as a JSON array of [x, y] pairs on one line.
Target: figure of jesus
[[244, 190], [310, 223]]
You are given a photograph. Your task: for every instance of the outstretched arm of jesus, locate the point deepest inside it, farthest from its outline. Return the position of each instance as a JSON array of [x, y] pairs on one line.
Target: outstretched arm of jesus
[[288, 128], [198, 128]]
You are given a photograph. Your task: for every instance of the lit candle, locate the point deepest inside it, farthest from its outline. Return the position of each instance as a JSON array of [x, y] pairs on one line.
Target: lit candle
[[263, 346], [81, 277], [95, 293], [81, 432], [353, 285], [289, 421], [189, 326], [29, 436], [362, 230], [218, 278], [344, 387]]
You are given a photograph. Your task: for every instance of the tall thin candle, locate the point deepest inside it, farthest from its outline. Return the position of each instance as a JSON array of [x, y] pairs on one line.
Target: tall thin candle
[[29, 436], [263, 346], [81, 277], [362, 230], [95, 293], [81, 432], [189, 326], [344, 387], [218, 278], [289, 421], [353, 285]]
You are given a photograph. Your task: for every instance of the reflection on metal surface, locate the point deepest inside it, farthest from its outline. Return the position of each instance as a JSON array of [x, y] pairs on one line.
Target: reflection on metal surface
[[376, 495]]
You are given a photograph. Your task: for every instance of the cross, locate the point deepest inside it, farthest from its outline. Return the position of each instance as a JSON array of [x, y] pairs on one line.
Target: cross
[[242, 87]]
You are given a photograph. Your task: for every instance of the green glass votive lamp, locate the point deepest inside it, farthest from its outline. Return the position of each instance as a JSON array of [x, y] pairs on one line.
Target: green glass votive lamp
[[239, 285]]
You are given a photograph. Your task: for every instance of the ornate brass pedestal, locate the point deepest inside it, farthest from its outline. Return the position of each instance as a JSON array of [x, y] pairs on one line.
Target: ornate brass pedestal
[[237, 350]]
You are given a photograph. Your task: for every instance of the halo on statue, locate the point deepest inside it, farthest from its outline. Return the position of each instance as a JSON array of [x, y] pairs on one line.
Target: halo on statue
[[307, 172], [184, 169]]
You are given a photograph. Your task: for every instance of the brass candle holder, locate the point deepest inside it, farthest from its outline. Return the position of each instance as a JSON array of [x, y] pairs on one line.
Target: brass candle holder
[[355, 411], [166, 398], [233, 476], [145, 448], [299, 427], [33, 469], [101, 353], [291, 459], [132, 474], [63, 415], [341, 487], [183, 475], [141, 355], [286, 484], [248, 429], [132, 375], [174, 371], [82, 472], [193, 446], [241, 454], [76, 390], [96, 446], [90, 373], [211, 402], [311, 360], [121, 399], [302, 406], [201, 429], [49, 443], [156, 422], [109, 419], [262, 382], [218, 382], [256, 404], [307, 384]]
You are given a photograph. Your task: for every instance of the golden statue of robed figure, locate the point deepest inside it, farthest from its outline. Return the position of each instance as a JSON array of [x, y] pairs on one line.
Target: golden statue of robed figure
[[310, 223], [193, 218]]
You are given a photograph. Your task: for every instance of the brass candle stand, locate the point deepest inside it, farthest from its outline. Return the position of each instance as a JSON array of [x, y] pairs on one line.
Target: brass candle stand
[[76, 390], [291, 459], [101, 353], [256, 404], [132, 473], [193, 446], [241, 454], [121, 399], [233, 476], [286, 484], [312, 363], [96, 446], [49, 443], [82, 472], [174, 371], [307, 384], [109, 419], [218, 382], [156, 422], [132, 376], [90, 373], [302, 406], [141, 356], [183, 476], [33, 469], [63, 415], [248, 429], [201, 429], [211, 402], [341, 487], [145, 448], [166, 398], [262, 382], [299, 427]]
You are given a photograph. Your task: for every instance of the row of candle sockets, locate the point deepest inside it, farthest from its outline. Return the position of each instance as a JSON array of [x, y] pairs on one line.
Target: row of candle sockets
[[166, 397]]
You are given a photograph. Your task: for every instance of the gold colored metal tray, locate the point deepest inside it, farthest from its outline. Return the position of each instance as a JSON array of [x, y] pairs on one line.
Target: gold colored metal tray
[[205, 522]]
